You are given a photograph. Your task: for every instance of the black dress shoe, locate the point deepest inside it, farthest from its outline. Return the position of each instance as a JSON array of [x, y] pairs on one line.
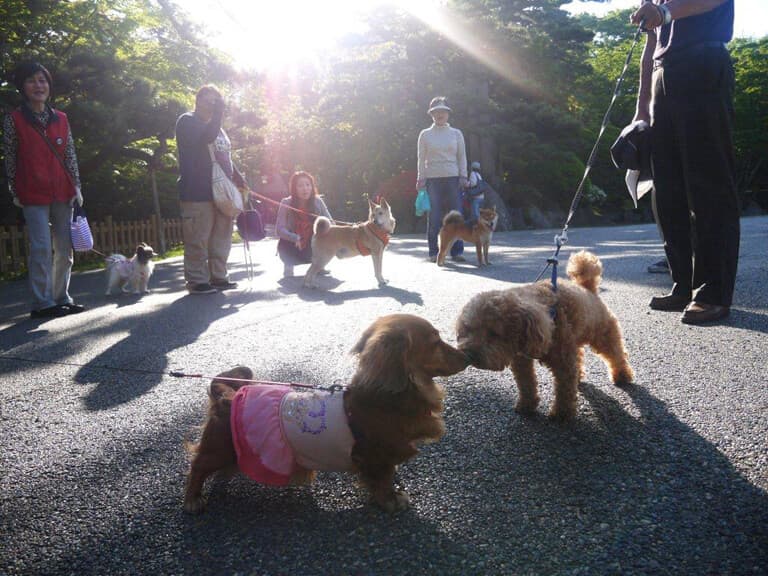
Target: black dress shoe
[[50, 312], [669, 303], [72, 308], [701, 312]]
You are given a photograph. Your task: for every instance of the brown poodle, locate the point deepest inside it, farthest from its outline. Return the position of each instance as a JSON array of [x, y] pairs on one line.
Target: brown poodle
[[278, 435], [514, 327]]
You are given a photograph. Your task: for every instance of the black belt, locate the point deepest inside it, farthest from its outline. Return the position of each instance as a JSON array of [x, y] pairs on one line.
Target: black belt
[[677, 55]]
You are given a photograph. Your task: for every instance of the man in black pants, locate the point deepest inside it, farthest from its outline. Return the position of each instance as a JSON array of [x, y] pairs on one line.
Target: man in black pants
[[686, 93]]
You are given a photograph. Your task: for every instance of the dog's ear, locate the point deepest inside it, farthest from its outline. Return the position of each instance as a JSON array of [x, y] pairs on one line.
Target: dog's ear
[[383, 359], [384, 203], [358, 347], [524, 324], [221, 393], [536, 330]]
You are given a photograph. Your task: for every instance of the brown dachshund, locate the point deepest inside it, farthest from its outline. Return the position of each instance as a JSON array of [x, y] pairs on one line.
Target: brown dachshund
[[280, 436]]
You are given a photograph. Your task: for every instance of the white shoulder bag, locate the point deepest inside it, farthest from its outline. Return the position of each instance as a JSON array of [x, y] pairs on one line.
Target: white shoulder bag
[[226, 196]]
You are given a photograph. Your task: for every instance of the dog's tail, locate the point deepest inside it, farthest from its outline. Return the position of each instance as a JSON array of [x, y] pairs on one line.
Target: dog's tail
[[322, 225], [453, 217], [586, 270]]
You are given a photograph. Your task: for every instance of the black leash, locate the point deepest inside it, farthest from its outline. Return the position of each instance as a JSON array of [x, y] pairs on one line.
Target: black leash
[[176, 374], [562, 238]]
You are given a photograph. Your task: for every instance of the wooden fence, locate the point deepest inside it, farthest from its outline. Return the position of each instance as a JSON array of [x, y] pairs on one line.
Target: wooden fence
[[108, 237]]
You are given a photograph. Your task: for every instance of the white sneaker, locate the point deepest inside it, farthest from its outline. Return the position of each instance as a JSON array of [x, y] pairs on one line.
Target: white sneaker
[[288, 271]]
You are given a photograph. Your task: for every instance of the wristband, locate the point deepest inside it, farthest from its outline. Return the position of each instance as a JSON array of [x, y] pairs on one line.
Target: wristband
[[666, 15]]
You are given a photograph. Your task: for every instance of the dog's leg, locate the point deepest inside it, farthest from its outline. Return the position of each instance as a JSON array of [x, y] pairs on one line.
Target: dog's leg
[[302, 477], [213, 453], [215, 450], [580, 364], [609, 345], [527, 386], [486, 246], [479, 250], [445, 247], [382, 489], [309, 277], [377, 261], [376, 466], [565, 369], [319, 261]]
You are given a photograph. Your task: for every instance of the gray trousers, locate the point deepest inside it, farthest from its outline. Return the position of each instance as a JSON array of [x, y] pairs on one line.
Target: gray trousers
[[207, 242], [50, 253]]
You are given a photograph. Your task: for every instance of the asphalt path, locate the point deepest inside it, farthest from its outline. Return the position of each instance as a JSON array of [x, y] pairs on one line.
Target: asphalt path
[[665, 476]]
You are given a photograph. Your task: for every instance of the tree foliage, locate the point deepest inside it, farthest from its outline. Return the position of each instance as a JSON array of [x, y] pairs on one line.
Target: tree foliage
[[528, 84]]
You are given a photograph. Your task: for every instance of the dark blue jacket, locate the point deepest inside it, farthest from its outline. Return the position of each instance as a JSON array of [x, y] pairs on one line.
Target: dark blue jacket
[[192, 139]]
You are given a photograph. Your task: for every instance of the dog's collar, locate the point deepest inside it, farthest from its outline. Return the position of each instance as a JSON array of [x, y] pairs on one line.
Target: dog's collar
[[377, 231]]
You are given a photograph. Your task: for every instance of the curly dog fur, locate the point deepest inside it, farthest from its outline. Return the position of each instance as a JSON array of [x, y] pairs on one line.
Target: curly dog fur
[[514, 327]]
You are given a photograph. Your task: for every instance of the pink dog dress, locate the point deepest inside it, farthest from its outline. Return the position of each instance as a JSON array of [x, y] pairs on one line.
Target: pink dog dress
[[276, 430]]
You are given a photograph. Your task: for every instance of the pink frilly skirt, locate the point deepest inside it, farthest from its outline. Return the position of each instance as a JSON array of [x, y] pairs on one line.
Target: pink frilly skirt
[[263, 452]]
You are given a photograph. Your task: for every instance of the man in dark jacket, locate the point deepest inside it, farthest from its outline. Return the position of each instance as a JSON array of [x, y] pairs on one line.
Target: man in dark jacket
[[207, 232], [686, 93]]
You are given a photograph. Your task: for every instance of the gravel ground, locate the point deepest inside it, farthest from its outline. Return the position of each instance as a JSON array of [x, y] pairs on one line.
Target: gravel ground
[[666, 476]]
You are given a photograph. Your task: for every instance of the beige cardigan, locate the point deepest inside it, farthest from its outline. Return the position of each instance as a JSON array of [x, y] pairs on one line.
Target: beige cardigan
[[442, 153]]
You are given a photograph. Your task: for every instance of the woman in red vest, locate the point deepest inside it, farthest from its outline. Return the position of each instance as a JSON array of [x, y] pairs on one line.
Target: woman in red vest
[[44, 181]]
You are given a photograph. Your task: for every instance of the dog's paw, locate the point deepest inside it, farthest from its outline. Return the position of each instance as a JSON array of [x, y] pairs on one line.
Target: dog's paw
[[624, 377], [561, 414], [526, 408], [398, 500], [302, 477], [194, 505], [383, 283]]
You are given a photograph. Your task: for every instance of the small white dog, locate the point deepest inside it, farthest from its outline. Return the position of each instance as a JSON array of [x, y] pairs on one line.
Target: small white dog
[[130, 275]]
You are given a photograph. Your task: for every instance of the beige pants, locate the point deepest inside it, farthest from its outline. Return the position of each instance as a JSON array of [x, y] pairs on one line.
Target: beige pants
[[207, 242]]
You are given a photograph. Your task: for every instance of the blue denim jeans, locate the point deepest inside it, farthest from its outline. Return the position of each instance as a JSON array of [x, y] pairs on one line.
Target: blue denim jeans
[[50, 253], [443, 197], [475, 202]]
